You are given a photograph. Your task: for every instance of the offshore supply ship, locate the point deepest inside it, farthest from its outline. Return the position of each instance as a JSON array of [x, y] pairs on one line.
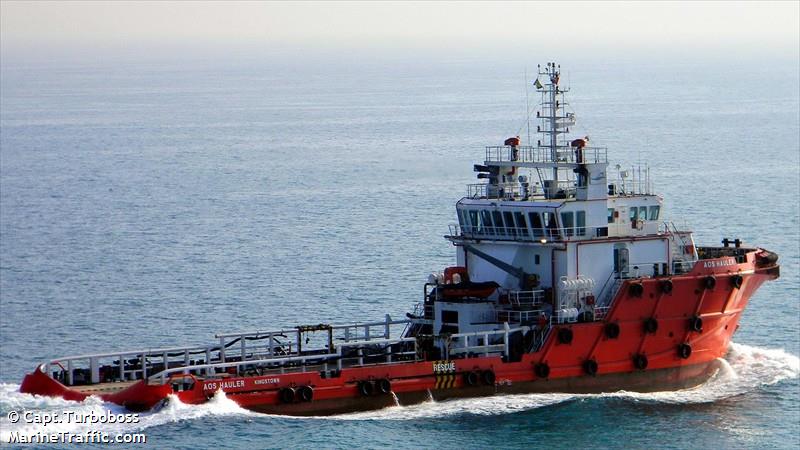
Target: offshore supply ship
[[565, 280]]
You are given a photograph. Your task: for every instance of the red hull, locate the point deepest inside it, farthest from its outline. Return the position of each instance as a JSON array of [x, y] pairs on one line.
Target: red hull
[[615, 358]]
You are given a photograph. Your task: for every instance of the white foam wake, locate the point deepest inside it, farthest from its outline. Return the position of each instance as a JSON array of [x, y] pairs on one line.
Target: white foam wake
[[745, 369], [173, 410]]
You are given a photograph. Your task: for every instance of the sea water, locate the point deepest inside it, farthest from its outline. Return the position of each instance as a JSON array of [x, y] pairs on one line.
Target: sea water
[[144, 205]]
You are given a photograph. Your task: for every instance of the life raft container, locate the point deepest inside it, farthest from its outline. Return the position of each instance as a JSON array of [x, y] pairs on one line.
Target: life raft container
[[468, 289], [461, 271]]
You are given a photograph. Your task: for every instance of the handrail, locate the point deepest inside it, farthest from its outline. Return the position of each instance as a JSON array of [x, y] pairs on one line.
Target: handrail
[[603, 289], [505, 332], [212, 347], [231, 347], [543, 155], [530, 297], [163, 375], [293, 330], [543, 235], [154, 352]]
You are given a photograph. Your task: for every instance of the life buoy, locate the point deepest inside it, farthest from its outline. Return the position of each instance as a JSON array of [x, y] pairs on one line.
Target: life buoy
[[696, 324], [488, 378], [286, 395], [305, 393], [471, 378], [636, 289], [590, 367], [737, 281], [709, 282], [565, 336], [366, 388], [384, 386], [650, 325], [684, 351], [542, 370], [666, 286], [612, 330], [640, 361]]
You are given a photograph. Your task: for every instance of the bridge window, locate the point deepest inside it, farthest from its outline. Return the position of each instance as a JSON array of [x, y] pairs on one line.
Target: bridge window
[[567, 223], [449, 322], [549, 220], [536, 224], [474, 221], [486, 219], [580, 222], [449, 316], [610, 215], [509, 218], [522, 226], [643, 213], [498, 222], [654, 211], [634, 214]]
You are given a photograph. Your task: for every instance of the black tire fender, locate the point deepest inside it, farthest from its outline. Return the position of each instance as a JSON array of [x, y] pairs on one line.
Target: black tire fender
[[471, 378], [384, 386], [366, 388], [305, 393], [590, 367], [565, 335], [640, 361], [286, 395], [650, 325], [488, 377], [696, 324], [612, 330]]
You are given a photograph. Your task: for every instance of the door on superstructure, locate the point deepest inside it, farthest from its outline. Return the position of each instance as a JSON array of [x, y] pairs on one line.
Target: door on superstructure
[[621, 261]]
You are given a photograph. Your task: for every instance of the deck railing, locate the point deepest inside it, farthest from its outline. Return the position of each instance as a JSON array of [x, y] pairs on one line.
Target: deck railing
[[238, 347], [337, 359], [544, 155], [542, 235]]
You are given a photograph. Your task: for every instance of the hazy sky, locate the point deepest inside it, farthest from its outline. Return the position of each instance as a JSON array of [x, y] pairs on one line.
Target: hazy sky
[[42, 28]]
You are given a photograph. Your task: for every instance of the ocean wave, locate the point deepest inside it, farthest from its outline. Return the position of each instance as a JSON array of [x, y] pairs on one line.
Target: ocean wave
[[170, 411], [745, 369]]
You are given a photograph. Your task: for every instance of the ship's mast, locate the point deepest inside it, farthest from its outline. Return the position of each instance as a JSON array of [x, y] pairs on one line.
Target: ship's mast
[[553, 122]]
